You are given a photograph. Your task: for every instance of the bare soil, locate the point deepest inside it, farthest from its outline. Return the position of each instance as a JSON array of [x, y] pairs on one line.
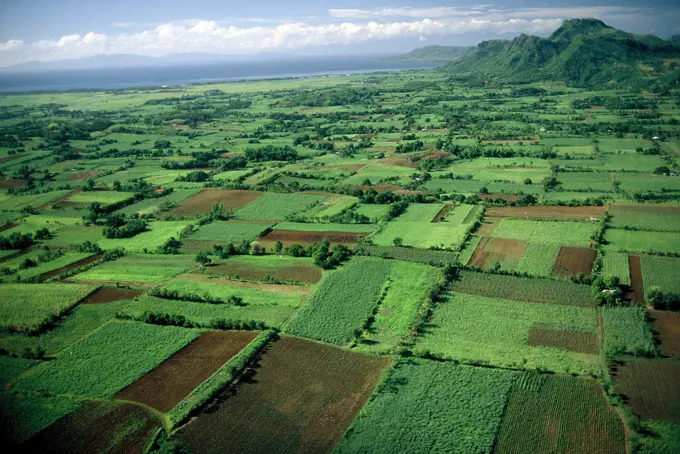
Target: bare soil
[[480, 256], [204, 200], [567, 340], [299, 273], [72, 266], [173, 380], [573, 260], [445, 209], [109, 295], [547, 212], [637, 286], [488, 226], [649, 386], [666, 327], [507, 247], [299, 397], [84, 175], [11, 183], [58, 200], [307, 238], [97, 426]]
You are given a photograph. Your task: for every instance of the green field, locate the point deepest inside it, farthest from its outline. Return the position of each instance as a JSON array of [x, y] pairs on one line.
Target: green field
[[634, 241], [139, 268], [545, 232], [47, 303], [276, 207], [149, 241], [479, 330], [326, 227], [120, 352], [342, 301], [230, 231], [437, 407], [662, 272]]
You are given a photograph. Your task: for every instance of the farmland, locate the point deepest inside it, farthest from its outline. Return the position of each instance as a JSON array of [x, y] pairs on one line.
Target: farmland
[[501, 274], [264, 413]]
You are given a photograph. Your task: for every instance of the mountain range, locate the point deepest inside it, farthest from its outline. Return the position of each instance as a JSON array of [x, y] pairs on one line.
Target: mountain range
[[434, 54], [582, 52]]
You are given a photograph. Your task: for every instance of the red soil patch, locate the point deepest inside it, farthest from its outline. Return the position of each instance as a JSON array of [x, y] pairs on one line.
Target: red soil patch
[[300, 397], [173, 380], [573, 260], [307, 238], [566, 340], [401, 160], [97, 426], [58, 200], [7, 226], [487, 227], [308, 273], [72, 266], [445, 209], [547, 212], [480, 256], [108, 282], [393, 140], [204, 200], [11, 183], [650, 387], [637, 286], [11, 158], [109, 295], [509, 197], [233, 153], [383, 148], [506, 247], [84, 175], [666, 327]]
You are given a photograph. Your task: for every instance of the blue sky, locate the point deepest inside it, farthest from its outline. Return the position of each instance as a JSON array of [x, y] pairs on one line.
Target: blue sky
[[49, 30]]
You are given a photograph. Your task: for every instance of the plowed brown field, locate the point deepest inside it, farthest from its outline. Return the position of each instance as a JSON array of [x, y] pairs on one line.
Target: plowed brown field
[[300, 397], [566, 340], [173, 380], [666, 326], [307, 238], [547, 212], [573, 260], [109, 295], [204, 200]]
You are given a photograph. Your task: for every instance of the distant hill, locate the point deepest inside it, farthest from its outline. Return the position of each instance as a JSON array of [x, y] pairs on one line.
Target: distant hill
[[582, 52], [433, 54]]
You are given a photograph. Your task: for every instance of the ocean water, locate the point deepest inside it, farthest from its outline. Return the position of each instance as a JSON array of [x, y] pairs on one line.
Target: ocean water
[[150, 76]]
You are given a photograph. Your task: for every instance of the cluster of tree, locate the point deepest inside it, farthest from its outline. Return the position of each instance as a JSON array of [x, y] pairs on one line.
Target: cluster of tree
[[205, 298], [665, 301], [324, 256], [608, 292], [271, 153], [331, 97], [18, 240], [410, 147], [117, 226]]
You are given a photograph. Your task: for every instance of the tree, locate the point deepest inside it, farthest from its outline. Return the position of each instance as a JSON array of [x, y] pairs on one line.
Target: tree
[[278, 247], [527, 181], [171, 246], [202, 258], [398, 242]]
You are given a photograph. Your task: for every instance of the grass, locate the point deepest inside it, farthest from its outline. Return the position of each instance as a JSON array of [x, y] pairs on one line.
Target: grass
[[546, 291], [252, 294], [626, 331], [119, 352], [410, 286], [616, 264], [629, 240], [443, 234], [80, 322], [342, 301], [26, 415], [660, 437], [149, 206], [11, 367], [662, 272], [306, 227], [420, 212], [434, 407], [469, 249], [374, 211], [149, 241], [230, 231], [474, 329], [205, 314], [103, 197], [559, 413], [546, 232], [17, 202], [43, 267], [139, 268], [538, 259], [276, 207], [31, 307], [646, 217]]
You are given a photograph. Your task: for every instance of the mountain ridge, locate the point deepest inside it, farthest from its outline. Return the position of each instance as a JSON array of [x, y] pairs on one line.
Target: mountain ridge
[[581, 52]]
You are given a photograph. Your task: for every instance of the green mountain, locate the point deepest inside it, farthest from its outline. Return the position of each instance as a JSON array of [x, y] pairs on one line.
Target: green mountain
[[582, 52], [433, 54]]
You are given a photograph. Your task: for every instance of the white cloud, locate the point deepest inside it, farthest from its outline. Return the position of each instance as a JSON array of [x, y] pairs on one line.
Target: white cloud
[[12, 44], [212, 37], [443, 11]]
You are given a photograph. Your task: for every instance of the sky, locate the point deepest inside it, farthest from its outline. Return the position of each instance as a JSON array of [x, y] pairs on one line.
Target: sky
[[52, 30]]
